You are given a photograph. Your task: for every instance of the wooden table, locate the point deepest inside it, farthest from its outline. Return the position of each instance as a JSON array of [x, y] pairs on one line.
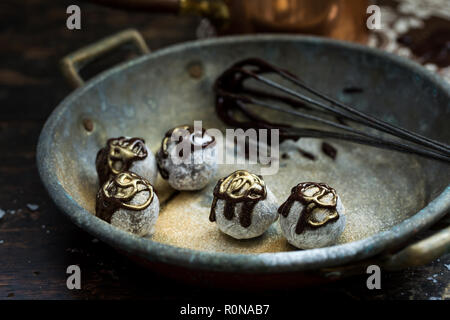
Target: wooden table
[[37, 242]]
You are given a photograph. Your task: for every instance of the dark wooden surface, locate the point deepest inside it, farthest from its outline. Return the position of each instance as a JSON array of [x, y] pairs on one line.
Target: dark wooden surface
[[37, 245]]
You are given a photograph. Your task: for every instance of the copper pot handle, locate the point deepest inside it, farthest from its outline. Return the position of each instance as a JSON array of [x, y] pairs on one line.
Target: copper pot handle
[[169, 6], [216, 10], [72, 63]]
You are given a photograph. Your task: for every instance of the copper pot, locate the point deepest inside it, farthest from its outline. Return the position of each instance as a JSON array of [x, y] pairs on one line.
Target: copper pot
[[339, 19]]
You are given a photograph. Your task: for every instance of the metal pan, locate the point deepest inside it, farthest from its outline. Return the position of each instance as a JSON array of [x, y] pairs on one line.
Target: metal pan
[[390, 197]]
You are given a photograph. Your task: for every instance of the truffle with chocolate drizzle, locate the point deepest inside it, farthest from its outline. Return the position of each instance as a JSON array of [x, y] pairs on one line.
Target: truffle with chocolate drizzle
[[243, 207], [125, 154], [128, 202], [313, 216], [201, 164]]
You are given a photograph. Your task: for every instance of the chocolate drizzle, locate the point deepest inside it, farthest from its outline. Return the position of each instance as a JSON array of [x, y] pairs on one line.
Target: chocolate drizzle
[[185, 132], [306, 154], [311, 201], [240, 186], [118, 156], [233, 98], [119, 191], [329, 150]]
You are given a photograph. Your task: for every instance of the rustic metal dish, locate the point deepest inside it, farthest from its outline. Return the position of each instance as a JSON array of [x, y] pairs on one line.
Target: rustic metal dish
[[390, 197]]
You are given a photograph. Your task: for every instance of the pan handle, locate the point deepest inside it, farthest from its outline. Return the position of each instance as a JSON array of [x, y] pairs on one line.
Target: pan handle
[[420, 253], [416, 254], [72, 63]]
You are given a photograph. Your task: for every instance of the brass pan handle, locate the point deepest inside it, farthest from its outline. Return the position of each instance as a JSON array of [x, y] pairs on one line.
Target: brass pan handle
[[416, 254], [72, 63], [420, 253]]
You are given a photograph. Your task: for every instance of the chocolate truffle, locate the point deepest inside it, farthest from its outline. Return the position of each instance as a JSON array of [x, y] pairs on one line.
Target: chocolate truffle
[[188, 168], [313, 216], [128, 202], [243, 206], [126, 154]]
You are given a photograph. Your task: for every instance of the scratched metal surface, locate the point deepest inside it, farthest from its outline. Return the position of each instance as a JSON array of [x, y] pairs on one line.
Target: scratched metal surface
[[381, 190]]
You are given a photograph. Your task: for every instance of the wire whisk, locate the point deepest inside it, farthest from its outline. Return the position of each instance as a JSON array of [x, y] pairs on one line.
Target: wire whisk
[[233, 96]]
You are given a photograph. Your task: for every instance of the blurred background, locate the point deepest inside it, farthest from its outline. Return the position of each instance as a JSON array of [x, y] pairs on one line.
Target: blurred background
[[37, 243]]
